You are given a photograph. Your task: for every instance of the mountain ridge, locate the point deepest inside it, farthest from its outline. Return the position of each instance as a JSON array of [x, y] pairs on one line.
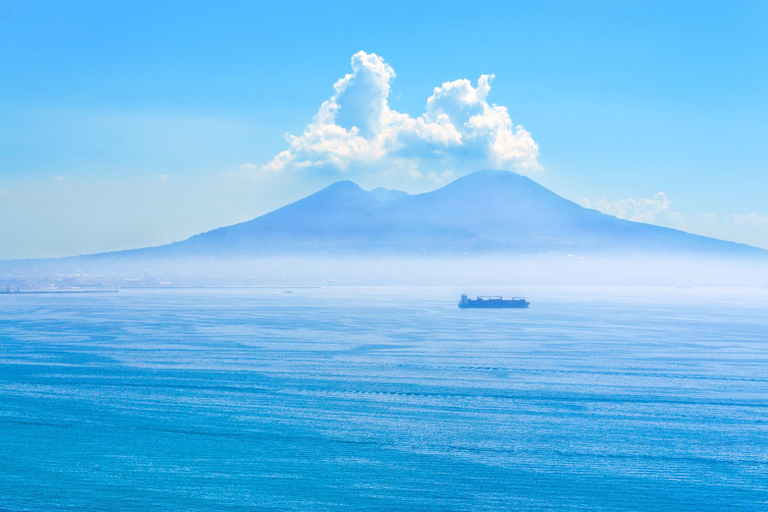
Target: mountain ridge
[[486, 211]]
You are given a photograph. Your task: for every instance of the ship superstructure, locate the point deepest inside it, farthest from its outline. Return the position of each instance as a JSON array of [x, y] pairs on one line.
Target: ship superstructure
[[492, 302]]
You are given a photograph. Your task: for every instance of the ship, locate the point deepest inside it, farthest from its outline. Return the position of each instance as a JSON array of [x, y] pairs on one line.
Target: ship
[[492, 302]]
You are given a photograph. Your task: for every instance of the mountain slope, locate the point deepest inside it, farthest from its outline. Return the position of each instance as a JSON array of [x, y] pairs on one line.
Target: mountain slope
[[484, 212]]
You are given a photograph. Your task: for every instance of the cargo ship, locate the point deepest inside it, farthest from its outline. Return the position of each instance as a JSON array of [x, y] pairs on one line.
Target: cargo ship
[[492, 302]]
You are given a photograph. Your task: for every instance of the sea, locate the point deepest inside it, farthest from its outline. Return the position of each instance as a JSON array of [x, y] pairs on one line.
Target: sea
[[384, 398]]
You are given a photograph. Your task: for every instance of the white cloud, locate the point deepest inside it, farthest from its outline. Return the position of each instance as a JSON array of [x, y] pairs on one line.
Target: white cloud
[[654, 210], [749, 228], [357, 130], [164, 177], [750, 220]]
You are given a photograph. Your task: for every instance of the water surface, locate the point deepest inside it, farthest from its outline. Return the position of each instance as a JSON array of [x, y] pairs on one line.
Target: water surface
[[384, 398]]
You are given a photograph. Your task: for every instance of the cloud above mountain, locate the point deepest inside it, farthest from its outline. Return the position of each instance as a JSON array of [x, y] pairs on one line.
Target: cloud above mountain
[[657, 209], [355, 129], [750, 228]]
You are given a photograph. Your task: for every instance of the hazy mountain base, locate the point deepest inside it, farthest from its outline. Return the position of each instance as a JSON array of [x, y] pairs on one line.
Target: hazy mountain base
[[322, 271], [488, 228]]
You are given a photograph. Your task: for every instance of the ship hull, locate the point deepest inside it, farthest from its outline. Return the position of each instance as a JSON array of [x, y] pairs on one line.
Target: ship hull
[[494, 304]]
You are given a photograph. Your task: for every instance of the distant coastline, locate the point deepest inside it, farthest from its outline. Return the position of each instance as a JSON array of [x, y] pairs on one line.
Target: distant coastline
[[51, 292]]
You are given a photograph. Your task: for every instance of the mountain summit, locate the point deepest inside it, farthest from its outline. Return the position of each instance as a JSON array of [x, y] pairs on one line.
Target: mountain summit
[[485, 212]]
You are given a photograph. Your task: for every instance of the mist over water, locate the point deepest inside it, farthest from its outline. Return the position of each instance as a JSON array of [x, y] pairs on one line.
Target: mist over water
[[385, 397], [328, 269]]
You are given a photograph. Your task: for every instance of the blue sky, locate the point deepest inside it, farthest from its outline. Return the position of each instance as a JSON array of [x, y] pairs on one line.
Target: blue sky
[[126, 124]]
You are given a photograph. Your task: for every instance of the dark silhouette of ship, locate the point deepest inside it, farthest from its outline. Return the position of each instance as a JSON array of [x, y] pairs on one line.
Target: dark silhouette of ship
[[492, 302]]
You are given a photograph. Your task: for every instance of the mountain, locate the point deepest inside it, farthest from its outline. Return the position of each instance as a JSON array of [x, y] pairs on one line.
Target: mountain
[[384, 194], [487, 212]]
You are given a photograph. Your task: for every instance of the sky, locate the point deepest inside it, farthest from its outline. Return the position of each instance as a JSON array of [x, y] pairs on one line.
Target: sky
[[130, 124]]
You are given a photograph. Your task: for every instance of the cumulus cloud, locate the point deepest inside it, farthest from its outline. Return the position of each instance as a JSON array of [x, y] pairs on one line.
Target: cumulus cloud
[[458, 132], [751, 228], [653, 210], [750, 220]]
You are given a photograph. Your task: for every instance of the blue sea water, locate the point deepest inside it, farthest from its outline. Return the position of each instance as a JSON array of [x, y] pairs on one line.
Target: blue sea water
[[384, 398]]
